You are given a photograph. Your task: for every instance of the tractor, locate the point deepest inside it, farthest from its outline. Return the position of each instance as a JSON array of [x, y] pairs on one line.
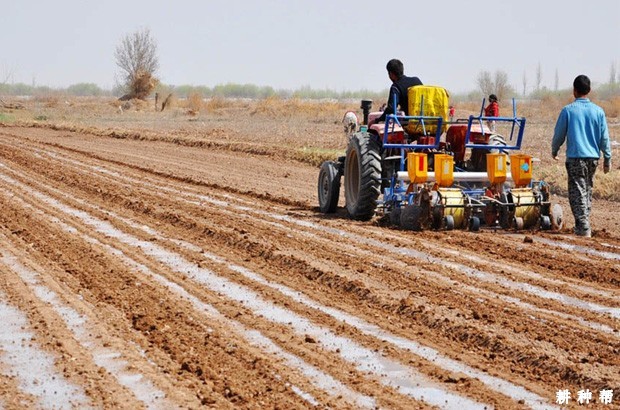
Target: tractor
[[424, 172]]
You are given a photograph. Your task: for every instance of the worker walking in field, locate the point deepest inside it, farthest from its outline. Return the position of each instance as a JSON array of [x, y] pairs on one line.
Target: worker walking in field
[[582, 124], [400, 85], [492, 110]]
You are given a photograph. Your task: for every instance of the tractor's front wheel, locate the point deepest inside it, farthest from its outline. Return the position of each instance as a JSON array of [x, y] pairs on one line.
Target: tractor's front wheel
[[328, 187], [362, 176]]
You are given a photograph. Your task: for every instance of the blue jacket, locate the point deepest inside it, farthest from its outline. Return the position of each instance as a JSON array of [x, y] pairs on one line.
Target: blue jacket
[[583, 126]]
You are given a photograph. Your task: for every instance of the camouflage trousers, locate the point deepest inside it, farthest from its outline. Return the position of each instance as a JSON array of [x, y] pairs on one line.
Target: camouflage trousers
[[580, 181]]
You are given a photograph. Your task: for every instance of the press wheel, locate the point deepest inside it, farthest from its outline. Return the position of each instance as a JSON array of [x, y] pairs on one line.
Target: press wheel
[[448, 221], [545, 223], [557, 217], [474, 224], [518, 223]]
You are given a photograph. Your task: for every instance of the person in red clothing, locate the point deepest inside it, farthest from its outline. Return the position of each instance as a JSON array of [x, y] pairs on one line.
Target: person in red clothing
[[492, 110]]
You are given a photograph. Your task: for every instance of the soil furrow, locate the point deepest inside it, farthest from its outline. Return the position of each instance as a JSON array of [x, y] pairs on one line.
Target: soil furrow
[[348, 350], [238, 233]]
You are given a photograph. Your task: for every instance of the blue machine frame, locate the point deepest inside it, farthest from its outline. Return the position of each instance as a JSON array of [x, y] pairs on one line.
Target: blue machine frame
[[516, 122], [396, 193]]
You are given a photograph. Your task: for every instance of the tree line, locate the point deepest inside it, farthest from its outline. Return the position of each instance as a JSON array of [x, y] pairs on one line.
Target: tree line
[[229, 90], [252, 91], [497, 83]]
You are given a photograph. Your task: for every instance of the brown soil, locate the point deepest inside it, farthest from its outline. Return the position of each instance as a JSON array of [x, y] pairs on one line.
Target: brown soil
[[149, 240]]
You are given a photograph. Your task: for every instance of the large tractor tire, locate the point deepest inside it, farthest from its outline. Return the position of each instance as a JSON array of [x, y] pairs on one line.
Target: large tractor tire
[[362, 176], [328, 187]]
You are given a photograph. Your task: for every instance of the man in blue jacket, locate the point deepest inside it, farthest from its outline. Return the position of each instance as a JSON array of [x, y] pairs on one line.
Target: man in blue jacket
[[582, 124]]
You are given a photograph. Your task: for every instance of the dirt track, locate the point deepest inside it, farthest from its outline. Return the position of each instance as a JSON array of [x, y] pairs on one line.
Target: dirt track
[[144, 274]]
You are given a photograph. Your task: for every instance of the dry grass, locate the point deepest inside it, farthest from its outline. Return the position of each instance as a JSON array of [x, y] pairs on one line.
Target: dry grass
[[195, 102], [612, 108], [545, 109], [606, 186], [296, 108], [306, 131], [141, 85], [217, 103], [47, 101]]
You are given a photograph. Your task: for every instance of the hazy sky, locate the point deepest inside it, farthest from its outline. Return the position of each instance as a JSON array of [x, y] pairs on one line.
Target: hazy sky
[[342, 45]]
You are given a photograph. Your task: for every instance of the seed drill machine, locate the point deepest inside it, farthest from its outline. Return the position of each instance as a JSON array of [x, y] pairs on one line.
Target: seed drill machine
[[425, 172]]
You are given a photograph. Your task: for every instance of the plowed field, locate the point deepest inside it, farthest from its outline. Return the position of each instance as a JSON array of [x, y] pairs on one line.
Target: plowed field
[[141, 273]]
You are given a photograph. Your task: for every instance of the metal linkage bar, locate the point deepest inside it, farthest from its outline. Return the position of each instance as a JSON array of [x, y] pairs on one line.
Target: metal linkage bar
[[518, 122], [458, 176], [395, 120]]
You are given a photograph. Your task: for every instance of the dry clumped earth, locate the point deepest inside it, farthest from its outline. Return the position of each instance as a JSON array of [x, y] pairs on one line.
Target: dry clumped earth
[[178, 260]]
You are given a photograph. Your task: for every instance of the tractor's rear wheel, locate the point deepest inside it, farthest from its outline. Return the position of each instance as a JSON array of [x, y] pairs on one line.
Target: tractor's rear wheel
[[362, 176], [328, 187]]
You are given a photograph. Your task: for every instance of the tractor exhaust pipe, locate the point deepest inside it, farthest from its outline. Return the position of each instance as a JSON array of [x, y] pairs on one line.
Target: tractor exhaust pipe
[[366, 107]]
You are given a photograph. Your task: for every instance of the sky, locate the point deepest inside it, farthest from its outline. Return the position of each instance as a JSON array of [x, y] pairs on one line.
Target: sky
[[288, 44]]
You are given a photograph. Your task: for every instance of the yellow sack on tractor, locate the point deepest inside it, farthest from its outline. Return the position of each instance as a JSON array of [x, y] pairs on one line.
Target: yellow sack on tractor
[[428, 101]]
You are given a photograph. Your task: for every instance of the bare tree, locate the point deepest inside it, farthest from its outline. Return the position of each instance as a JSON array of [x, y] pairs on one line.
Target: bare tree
[[485, 83], [6, 76], [612, 73], [502, 88], [496, 84], [557, 81], [136, 56], [524, 83], [538, 77]]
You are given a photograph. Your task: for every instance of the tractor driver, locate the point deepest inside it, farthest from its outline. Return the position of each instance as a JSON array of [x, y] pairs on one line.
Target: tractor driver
[[400, 85]]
